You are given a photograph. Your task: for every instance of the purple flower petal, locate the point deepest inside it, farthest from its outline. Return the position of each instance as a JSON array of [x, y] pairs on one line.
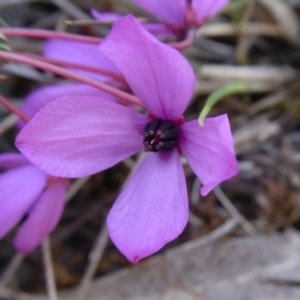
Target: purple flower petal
[[160, 76], [206, 9], [12, 160], [152, 210], [105, 16], [40, 97], [80, 136], [158, 30], [209, 151], [168, 11], [80, 53], [19, 189], [42, 219]]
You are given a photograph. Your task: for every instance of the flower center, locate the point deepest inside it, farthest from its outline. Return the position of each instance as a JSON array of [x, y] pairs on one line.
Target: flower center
[[160, 136]]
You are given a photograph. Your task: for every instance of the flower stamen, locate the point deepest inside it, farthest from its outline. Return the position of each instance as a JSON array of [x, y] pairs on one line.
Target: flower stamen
[[160, 136]]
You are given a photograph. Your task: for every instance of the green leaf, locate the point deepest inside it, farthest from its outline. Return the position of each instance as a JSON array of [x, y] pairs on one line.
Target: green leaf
[[2, 23], [2, 37], [219, 94], [4, 47]]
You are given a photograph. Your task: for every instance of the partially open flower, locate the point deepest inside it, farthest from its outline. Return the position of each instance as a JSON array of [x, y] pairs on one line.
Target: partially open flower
[[79, 136], [28, 191], [179, 15]]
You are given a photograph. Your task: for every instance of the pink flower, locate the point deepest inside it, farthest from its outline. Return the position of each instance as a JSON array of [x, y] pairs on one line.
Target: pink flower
[[28, 191], [157, 29], [181, 14], [177, 15], [79, 136]]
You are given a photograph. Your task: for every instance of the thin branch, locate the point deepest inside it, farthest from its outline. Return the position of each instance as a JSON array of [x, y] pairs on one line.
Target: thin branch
[[48, 34], [66, 64], [10, 107], [49, 273], [233, 211], [98, 22]]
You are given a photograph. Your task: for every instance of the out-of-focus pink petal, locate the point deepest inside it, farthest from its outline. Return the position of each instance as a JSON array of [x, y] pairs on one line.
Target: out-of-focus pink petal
[[42, 219], [152, 210], [168, 11], [80, 136], [40, 97], [105, 16], [158, 30], [160, 76], [19, 188], [80, 53], [206, 9], [12, 160], [209, 150]]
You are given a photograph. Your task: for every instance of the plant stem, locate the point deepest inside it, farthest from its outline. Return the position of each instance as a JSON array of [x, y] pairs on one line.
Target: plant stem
[[13, 109], [71, 75], [186, 43], [48, 34], [66, 64]]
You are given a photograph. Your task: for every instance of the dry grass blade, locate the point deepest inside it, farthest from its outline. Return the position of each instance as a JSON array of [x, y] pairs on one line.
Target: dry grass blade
[[269, 101], [7, 123], [227, 30], [11, 270], [286, 18], [233, 211], [214, 235], [18, 2], [71, 9], [94, 259], [258, 74], [243, 41], [254, 132], [76, 186], [23, 71], [49, 272]]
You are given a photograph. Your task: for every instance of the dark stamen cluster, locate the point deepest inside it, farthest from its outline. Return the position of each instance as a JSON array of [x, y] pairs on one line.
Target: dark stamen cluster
[[160, 136]]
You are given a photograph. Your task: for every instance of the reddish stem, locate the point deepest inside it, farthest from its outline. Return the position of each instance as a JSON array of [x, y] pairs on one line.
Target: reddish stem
[[48, 34], [66, 64], [13, 109], [186, 43], [71, 75]]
